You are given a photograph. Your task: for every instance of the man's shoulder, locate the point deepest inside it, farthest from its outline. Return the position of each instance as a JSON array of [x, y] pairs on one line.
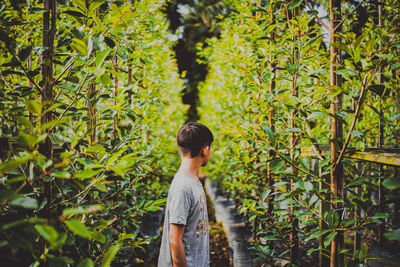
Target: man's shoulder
[[180, 184]]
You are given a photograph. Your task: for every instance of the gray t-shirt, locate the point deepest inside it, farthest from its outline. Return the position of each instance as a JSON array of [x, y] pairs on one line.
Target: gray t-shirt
[[186, 204]]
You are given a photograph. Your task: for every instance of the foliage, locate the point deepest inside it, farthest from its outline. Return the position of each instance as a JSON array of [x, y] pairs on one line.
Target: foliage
[[265, 53], [113, 122], [191, 22]]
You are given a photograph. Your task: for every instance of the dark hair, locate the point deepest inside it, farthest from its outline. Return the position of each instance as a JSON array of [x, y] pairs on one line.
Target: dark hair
[[192, 137]]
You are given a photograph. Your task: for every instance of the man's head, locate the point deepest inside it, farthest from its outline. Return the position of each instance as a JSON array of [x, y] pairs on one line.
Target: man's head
[[194, 140]]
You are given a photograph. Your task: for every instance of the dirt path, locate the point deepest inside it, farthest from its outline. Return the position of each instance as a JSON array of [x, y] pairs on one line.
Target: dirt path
[[238, 233]]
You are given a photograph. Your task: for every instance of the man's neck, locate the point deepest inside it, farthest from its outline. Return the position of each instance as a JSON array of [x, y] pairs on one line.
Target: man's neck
[[190, 167]]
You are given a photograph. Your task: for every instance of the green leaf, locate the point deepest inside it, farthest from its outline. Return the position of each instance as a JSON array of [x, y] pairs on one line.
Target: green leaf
[[24, 121], [78, 228], [380, 215], [79, 46], [86, 263], [153, 208], [110, 43], [37, 10], [14, 163], [74, 13], [270, 134], [295, 4], [81, 210], [25, 53], [359, 39], [101, 187], [62, 261], [52, 123], [272, 238], [61, 174], [333, 219], [7, 194], [95, 4], [341, 46], [363, 251], [5, 38], [101, 56], [47, 232], [356, 133], [316, 115], [114, 156], [109, 255], [34, 107], [291, 68], [393, 235], [313, 200], [329, 238], [392, 183], [276, 164], [97, 236], [308, 186], [316, 234], [105, 79], [379, 90], [87, 173], [27, 139], [117, 170], [293, 130], [25, 202]]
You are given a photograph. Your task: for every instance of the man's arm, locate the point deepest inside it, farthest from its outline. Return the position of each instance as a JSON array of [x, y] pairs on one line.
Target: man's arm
[[175, 241]]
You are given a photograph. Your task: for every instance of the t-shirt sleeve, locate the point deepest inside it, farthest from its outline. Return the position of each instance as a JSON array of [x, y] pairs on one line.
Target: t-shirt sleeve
[[179, 207]]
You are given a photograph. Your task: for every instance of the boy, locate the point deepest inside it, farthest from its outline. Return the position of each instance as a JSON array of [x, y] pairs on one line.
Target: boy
[[185, 240]]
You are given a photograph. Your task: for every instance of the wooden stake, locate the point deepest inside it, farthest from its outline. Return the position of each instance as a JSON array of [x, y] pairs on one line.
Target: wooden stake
[[91, 112], [337, 128], [115, 94], [381, 196], [294, 242]]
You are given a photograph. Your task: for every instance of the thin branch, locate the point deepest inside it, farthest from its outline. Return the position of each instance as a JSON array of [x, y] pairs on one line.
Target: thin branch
[[348, 15], [314, 146], [310, 209], [73, 100], [26, 72], [289, 162], [125, 139], [92, 183], [63, 72], [59, 77], [357, 112], [320, 21]]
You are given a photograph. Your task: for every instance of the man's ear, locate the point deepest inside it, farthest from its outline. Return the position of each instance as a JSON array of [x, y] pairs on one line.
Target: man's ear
[[204, 150]]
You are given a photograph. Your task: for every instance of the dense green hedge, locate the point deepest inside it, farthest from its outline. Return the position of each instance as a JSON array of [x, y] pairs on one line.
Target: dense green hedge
[[115, 110], [263, 54]]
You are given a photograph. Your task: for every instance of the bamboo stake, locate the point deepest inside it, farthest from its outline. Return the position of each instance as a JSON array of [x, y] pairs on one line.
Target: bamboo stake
[[115, 94], [357, 213], [294, 246], [91, 111], [271, 121], [49, 31], [130, 83], [337, 129], [381, 196]]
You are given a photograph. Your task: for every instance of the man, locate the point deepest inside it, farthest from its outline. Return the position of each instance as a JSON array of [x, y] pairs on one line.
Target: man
[[185, 240]]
